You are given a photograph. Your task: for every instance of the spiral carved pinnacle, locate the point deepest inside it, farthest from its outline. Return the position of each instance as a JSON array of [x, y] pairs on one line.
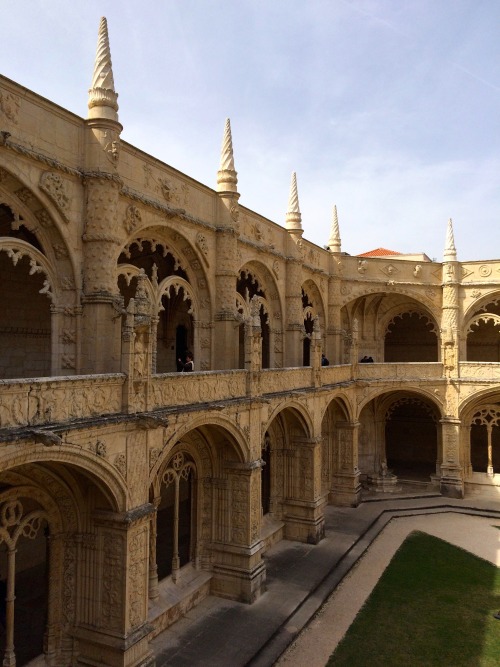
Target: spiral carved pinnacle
[[293, 216], [227, 178], [102, 91], [334, 240], [450, 252], [227, 158]]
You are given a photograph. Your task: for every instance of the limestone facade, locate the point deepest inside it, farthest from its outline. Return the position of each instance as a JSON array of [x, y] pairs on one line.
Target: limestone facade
[[128, 490]]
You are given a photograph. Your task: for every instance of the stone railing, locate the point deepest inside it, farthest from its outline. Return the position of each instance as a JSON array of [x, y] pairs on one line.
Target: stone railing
[[335, 374], [400, 371], [32, 402], [45, 400], [273, 380], [480, 370], [185, 388]]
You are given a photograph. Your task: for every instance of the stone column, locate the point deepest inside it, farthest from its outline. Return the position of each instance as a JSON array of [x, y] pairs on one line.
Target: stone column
[[346, 485], [334, 333], [239, 571], [452, 483], [294, 327], [226, 324], [304, 502], [226, 271], [117, 633], [154, 592], [253, 349], [101, 300], [451, 307]]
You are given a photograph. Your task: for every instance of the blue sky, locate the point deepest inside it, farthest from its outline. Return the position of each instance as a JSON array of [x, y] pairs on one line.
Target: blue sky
[[387, 108]]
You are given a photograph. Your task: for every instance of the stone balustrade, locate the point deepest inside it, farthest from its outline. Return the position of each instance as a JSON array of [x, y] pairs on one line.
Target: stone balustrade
[[186, 388], [400, 371], [480, 370], [32, 402]]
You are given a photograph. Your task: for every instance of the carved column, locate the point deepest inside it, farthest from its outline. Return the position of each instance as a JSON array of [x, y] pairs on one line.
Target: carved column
[[294, 311], [154, 592], [102, 234], [451, 308], [253, 349], [117, 633], [334, 333], [304, 502], [452, 484], [239, 571], [346, 485], [226, 324]]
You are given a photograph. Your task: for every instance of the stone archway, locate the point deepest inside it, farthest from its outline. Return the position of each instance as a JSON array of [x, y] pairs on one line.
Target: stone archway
[[485, 440], [411, 439], [63, 527], [180, 299], [40, 282], [295, 495]]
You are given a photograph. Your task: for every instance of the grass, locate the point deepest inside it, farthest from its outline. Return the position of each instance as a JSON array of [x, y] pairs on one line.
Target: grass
[[432, 607]]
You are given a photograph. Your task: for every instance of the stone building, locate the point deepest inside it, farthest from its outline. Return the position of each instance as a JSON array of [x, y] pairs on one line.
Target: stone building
[[128, 490]]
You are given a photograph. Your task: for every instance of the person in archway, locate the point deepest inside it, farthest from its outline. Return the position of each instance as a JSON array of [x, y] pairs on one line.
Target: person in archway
[[189, 365], [324, 361]]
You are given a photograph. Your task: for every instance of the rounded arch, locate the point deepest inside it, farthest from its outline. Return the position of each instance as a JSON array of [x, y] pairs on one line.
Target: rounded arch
[[315, 299], [181, 294], [255, 279], [205, 427], [482, 330], [336, 445], [343, 403], [48, 571], [401, 429], [62, 459], [373, 312], [312, 307], [293, 407], [385, 396], [349, 296], [470, 404], [481, 305], [37, 213], [36, 263], [480, 437]]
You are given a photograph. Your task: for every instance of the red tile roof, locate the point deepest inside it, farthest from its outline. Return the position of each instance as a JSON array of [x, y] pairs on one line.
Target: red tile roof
[[379, 252]]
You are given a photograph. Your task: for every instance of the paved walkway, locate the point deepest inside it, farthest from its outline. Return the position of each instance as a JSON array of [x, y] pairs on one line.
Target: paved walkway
[[317, 641], [300, 579]]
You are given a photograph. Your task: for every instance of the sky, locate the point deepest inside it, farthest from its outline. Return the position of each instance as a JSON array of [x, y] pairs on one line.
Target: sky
[[388, 109]]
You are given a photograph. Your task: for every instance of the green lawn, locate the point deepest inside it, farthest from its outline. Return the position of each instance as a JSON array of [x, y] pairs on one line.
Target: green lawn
[[433, 606]]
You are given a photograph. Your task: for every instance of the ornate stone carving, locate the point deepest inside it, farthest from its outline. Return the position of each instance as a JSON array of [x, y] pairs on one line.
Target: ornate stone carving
[[137, 570], [25, 195], [484, 271], [44, 218], [132, 218], [201, 242], [68, 361], [68, 336], [9, 106], [55, 187], [112, 582], [154, 454], [60, 250]]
